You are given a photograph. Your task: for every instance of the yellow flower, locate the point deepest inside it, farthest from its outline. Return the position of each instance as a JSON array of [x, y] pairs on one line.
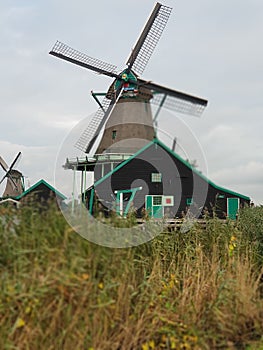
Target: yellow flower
[[151, 344], [85, 276], [101, 285], [164, 338], [28, 310], [173, 344], [19, 323]]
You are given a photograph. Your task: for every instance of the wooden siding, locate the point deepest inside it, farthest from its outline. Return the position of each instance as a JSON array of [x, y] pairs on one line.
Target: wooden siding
[[178, 179]]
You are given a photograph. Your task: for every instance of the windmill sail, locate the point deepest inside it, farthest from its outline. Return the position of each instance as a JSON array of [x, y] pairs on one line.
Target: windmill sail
[[149, 38], [175, 100], [90, 134], [3, 164], [129, 88], [178, 104], [66, 53]]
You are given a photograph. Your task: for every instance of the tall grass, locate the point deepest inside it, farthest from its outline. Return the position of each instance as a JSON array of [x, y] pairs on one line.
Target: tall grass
[[196, 290]]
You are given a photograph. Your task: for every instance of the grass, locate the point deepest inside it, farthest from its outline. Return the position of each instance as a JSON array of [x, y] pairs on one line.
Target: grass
[[197, 290]]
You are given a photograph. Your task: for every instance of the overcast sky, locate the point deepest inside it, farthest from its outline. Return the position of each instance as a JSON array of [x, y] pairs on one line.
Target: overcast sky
[[212, 49]]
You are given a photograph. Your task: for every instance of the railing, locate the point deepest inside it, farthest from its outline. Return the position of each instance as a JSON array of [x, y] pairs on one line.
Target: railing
[[98, 157], [175, 224]]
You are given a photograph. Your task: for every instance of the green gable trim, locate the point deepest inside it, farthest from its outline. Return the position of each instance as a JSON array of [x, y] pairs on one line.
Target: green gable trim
[[36, 185], [200, 174], [161, 144]]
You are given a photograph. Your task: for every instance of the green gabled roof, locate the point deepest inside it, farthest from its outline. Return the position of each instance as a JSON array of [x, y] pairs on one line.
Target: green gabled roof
[[161, 144], [42, 181]]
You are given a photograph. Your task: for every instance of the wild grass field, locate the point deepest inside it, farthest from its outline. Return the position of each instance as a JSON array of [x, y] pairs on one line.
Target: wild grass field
[[202, 289]]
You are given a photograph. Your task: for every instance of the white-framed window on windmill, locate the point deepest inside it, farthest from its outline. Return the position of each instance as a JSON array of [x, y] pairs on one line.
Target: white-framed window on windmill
[[156, 177]]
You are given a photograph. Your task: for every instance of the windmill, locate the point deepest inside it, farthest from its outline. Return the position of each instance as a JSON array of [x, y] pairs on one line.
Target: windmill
[[124, 122], [15, 184]]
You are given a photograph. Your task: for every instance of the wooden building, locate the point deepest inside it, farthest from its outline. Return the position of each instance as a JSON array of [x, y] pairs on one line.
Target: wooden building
[[157, 181], [41, 192]]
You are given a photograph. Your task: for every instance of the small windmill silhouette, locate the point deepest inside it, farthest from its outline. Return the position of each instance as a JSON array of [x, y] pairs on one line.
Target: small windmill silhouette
[[15, 180]]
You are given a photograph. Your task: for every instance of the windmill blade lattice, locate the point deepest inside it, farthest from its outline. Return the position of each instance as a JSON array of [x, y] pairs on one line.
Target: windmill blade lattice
[[66, 53], [89, 136], [149, 38], [178, 104], [175, 100], [89, 132]]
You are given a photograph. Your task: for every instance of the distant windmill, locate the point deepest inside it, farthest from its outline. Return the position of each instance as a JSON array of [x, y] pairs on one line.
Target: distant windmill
[[122, 119], [14, 184]]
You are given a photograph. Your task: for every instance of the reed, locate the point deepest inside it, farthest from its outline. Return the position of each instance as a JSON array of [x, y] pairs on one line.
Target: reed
[[196, 290]]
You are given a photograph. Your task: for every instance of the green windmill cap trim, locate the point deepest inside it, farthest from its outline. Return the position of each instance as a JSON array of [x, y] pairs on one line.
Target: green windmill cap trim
[[126, 76]]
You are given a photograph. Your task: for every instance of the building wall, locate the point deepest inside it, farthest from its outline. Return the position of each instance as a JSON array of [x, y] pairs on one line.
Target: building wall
[[178, 180], [41, 195]]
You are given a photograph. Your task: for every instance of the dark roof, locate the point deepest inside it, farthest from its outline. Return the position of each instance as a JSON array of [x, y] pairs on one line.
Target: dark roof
[[30, 189], [158, 142]]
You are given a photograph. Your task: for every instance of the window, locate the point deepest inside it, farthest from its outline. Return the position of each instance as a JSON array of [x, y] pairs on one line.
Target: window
[[168, 201], [156, 177], [157, 200], [189, 201], [114, 134]]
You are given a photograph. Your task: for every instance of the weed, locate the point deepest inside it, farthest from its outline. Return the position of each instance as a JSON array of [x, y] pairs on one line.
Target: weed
[[196, 290]]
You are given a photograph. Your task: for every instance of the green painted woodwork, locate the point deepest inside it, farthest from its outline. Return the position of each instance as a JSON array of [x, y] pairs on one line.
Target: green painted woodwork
[[232, 208], [148, 204], [189, 201], [91, 200], [59, 194], [133, 192], [153, 207], [125, 77], [157, 211]]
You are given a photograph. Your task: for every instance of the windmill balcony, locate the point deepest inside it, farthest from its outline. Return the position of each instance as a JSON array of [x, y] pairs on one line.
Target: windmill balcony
[[88, 163]]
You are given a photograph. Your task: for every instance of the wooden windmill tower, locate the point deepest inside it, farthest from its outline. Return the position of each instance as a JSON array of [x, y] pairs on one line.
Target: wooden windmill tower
[[15, 181]]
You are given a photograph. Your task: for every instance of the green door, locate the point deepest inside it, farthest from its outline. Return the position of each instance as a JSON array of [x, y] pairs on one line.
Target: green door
[[157, 211], [232, 208], [154, 206]]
